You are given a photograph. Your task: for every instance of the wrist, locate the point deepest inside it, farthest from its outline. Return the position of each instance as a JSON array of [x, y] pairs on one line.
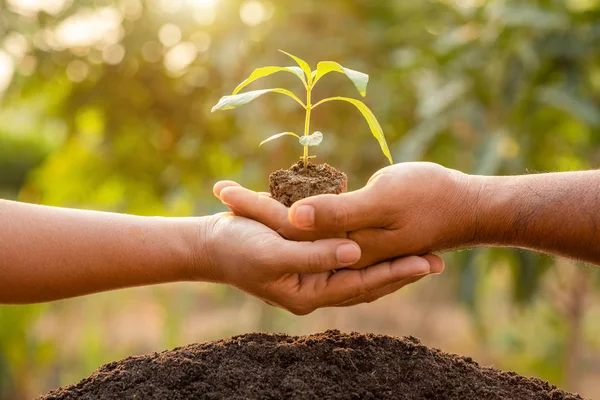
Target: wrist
[[492, 223], [457, 211], [180, 246], [204, 266]]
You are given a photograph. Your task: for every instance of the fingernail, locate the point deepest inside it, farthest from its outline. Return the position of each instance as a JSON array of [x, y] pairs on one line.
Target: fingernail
[[347, 254], [427, 269], [304, 216]]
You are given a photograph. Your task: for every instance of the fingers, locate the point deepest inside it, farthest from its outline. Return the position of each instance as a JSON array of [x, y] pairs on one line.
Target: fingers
[[262, 208], [305, 293], [377, 294], [219, 186], [436, 267], [343, 212], [436, 263], [346, 285], [255, 206], [377, 245], [313, 257]]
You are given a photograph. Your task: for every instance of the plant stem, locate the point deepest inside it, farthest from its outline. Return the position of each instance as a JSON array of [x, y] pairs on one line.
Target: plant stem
[[306, 126]]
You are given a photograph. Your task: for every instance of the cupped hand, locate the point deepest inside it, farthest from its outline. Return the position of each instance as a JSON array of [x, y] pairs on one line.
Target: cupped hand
[[405, 209], [299, 276]]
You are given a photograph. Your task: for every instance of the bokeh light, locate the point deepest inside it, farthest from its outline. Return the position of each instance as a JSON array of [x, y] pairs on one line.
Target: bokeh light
[[204, 3], [106, 105], [253, 12], [6, 70]]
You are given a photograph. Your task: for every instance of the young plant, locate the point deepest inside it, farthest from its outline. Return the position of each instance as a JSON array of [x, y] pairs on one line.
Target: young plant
[[309, 80]]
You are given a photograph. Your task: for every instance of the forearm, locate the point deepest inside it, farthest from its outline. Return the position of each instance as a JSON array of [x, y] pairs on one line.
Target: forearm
[[48, 253], [557, 213]]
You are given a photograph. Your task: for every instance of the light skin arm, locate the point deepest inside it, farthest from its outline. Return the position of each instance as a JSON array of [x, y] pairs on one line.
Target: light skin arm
[[50, 253], [417, 208]]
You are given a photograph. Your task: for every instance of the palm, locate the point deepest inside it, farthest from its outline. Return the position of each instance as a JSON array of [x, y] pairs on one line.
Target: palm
[[291, 275]]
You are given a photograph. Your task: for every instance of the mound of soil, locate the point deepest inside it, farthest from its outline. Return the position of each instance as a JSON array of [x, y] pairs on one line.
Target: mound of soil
[[329, 365], [290, 185]]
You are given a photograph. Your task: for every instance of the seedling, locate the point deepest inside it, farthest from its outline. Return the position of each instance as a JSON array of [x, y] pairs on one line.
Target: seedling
[[309, 80]]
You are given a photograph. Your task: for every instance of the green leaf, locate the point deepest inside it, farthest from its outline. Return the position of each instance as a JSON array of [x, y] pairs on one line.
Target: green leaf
[[312, 140], [359, 79], [230, 102], [266, 71], [371, 120], [303, 64], [278, 135]]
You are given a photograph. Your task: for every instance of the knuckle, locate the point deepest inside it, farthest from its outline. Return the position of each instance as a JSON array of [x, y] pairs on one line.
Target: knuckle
[[381, 177], [340, 217], [315, 261], [384, 180], [362, 288], [255, 202]]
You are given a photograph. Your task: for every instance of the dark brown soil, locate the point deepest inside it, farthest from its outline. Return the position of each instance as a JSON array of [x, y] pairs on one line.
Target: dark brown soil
[[296, 183], [329, 365]]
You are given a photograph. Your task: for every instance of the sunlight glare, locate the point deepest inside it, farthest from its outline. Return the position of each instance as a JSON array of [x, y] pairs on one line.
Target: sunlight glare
[[180, 57], [204, 10], [204, 3], [253, 12], [88, 28], [7, 68], [30, 7]]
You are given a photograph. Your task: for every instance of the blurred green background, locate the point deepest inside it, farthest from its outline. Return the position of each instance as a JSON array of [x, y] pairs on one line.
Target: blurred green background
[[106, 105]]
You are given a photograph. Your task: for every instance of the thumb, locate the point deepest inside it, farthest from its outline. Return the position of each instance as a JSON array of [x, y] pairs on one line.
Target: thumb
[[340, 212], [315, 257]]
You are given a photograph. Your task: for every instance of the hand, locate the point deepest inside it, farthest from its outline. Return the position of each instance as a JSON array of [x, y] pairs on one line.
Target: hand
[[405, 209], [298, 276]]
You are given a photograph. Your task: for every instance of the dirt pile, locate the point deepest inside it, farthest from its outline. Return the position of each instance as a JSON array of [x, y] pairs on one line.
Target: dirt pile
[[329, 365]]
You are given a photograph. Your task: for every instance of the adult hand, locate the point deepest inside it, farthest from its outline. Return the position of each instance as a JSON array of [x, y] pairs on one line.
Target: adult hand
[[405, 209], [298, 276]]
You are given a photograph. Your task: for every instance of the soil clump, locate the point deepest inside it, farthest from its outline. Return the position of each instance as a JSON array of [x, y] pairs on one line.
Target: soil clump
[[290, 185]]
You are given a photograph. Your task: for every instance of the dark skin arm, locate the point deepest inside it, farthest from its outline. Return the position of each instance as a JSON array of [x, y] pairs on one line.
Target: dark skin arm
[[555, 213], [417, 208]]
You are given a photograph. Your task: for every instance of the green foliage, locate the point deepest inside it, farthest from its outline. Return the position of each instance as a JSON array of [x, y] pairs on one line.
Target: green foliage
[[359, 79], [487, 87], [231, 102], [371, 120], [312, 140], [310, 78], [266, 71], [304, 66], [278, 135]]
